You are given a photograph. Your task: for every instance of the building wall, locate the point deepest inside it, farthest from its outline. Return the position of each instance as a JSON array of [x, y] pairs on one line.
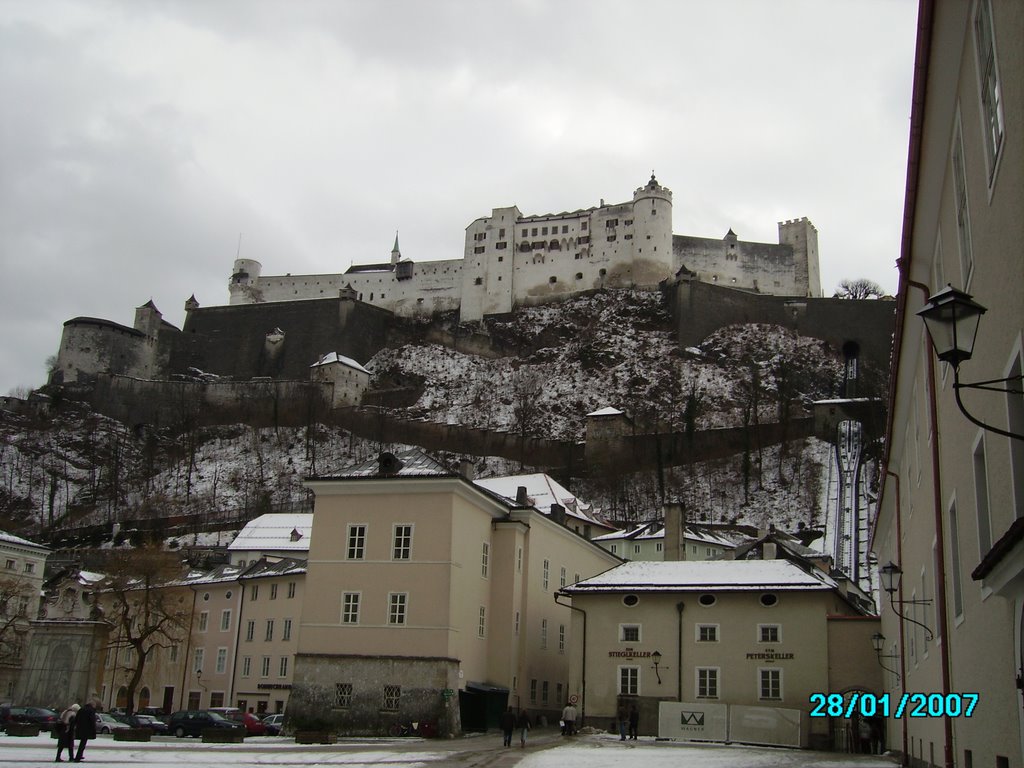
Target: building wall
[[956, 489]]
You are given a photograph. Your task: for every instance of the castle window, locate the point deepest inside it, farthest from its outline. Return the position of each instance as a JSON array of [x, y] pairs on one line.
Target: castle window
[[525, 232], [533, 233], [565, 229], [552, 279], [583, 226], [577, 257], [478, 249], [478, 281], [544, 230], [501, 233], [525, 247], [612, 223], [603, 272], [628, 222], [501, 258], [611, 238], [554, 246], [538, 245], [654, 211], [500, 246], [584, 239], [628, 237], [579, 275]]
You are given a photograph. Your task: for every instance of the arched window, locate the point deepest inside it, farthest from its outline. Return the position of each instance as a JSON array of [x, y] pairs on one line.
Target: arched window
[[144, 697], [122, 697]]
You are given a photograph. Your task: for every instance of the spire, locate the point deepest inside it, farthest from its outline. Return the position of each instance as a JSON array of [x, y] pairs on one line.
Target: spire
[[396, 254]]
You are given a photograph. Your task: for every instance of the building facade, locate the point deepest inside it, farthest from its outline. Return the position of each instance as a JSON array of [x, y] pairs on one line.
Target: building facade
[[431, 599], [951, 515], [21, 581]]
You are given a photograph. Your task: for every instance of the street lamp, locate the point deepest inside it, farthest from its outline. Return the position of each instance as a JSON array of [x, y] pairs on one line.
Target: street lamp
[[656, 658], [878, 643], [951, 318], [890, 575]]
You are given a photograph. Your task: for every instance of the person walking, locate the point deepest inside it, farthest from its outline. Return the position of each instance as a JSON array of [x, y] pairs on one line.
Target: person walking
[[569, 720], [622, 717], [85, 728], [634, 722], [65, 730], [523, 724], [508, 724]]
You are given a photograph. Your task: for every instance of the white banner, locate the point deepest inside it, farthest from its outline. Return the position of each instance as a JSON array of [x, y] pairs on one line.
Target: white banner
[[768, 725], [693, 722]]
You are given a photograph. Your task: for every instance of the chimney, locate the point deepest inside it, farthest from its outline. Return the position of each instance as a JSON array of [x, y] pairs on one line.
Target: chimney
[[558, 513], [389, 464], [675, 541], [769, 551], [467, 469], [521, 497]]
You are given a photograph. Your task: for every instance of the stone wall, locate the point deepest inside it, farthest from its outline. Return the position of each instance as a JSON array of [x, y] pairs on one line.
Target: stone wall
[[63, 664]]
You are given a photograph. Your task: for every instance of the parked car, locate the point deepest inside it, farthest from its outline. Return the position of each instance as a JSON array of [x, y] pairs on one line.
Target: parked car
[[274, 724], [191, 722], [253, 725], [41, 716], [155, 724], [107, 723]]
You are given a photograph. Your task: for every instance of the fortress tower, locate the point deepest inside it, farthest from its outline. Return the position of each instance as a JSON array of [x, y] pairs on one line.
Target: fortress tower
[[803, 236], [652, 242], [244, 278]]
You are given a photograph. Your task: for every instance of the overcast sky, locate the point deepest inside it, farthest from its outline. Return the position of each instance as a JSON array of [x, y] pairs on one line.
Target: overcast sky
[[139, 139]]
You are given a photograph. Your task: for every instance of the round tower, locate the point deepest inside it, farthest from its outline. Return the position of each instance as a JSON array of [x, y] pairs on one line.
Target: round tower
[[652, 233], [244, 278]]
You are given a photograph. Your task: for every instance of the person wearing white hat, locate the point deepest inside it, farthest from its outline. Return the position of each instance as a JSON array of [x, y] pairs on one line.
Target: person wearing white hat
[[66, 732]]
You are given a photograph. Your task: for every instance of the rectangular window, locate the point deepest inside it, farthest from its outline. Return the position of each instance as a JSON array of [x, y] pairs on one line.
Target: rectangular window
[[485, 556], [356, 542], [561, 578], [991, 90], [204, 621], [954, 550], [273, 591], [173, 654], [1015, 423], [533, 691], [479, 249], [392, 698], [250, 630], [11, 565], [255, 593], [636, 549], [543, 634], [194, 698], [770, 687], [981, 498], [283, 669], [516, 624], [519, 560], [544, 692], [287, 630], [481, 627], [225, 620], [963, 216], [291, 589], [402, 548], [629, 681], [707, 633], [265, 666], [246, 666], [197, 659], [342, 695], [270, 630], [30, 567], [350, 608], [629, 633], [222, 660], [561, 640], [769, 633], [546, 575], [396, 607], [707, 682]]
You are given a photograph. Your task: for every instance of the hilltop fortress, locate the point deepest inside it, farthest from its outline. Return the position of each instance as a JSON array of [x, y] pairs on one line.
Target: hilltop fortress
[[284, 328], [512, 260]]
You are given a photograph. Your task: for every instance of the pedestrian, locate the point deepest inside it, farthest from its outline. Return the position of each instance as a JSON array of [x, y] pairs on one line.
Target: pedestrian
[[508, 724], [523, 724], [65, 730], [569, 720], [85, 728], [864, 732], [634, 722], [622, 717]]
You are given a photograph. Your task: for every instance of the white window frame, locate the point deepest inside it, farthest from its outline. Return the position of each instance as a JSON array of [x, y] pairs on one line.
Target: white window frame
[[401, 549], [485, 559], [265, 666], [546, 575], [982, 494], [993, 120], [246, 666], [481, 627], [398, 603], [712, 679], [268, 637], [355, 541], [250, 630], [631, 625], [961, 203], [221, 664], [198, 659], [770, 671], [717, 632], [204, 621], [286, 630], [350, 604], [561, 638], [282, 668], [625, 682], [225, 620], [543, 634], [761, 628]]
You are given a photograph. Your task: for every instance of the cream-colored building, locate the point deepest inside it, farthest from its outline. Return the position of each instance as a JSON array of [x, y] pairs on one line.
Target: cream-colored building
[[647, 542], [951, 515], [271, 608], [21, 581], [431, 599], [735, 632], [274, 535]]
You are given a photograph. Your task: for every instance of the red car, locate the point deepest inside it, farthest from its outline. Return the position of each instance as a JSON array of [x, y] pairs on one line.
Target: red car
[[253, 725]]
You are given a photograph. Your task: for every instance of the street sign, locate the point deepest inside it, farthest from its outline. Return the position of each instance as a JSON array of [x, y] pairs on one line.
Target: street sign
[[573, 699]]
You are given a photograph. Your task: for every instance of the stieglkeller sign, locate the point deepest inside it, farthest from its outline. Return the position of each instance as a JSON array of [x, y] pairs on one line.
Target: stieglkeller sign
[[629, 653]]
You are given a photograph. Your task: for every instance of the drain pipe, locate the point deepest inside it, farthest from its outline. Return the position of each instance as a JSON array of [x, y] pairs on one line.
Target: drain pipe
[[583, 671], [679, 657], [905, 756]]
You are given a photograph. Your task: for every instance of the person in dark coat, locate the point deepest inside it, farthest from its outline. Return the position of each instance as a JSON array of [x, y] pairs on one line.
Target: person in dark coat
[[523, 724], [65, 730], [622, 719], [634, 722], [85, 728], [508, 724]]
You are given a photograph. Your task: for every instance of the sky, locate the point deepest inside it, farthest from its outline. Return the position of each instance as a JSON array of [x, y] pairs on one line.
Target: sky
[[144, 144]]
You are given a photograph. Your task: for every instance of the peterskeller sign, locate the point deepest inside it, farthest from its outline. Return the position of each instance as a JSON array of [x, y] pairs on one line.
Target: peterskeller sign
[[769, 655]]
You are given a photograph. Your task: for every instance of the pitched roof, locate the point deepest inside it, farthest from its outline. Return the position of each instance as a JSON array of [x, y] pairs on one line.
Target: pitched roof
[[10, 538], [607, 411], [334, 357], [722, 575], [275, 531], [409, 463], [542, 491]]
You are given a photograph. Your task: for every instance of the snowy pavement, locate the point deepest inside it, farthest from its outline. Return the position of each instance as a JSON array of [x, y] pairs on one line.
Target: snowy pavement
[[545, 751]]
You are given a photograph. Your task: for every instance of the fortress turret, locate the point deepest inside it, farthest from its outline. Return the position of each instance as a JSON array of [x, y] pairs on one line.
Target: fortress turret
[[244, 279], [396, 253], [652, 224], [803, 236], [147, 319]]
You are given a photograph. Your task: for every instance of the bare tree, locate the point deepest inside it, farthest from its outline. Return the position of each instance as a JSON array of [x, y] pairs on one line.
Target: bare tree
[[15, 601], [859, 289], [526, 390], [144, 607]]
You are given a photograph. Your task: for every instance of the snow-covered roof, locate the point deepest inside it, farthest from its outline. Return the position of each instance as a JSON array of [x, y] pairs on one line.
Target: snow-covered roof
[[334, 357], [288, 566], [10, 538], [728, 575], [275, 531], [541, 491], [656, 531], [409, 463], [608, 411]]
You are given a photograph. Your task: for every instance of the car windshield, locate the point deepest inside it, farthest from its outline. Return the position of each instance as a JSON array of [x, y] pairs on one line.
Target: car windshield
[[216, 716]]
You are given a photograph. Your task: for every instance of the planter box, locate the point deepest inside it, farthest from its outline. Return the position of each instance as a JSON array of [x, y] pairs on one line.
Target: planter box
[[22, 729], [315, 737], [223, 736], [133, 734]]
